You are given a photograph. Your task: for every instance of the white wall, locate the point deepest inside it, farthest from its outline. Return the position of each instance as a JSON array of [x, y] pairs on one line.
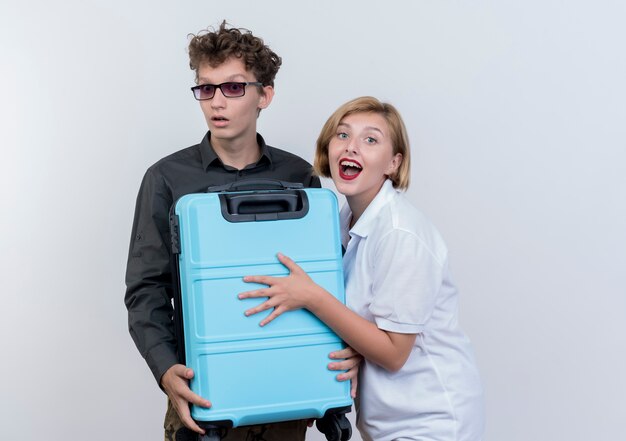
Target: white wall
[[517, 119]]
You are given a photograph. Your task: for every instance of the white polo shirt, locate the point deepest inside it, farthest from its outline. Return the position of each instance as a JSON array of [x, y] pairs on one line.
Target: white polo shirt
[[397, 276]]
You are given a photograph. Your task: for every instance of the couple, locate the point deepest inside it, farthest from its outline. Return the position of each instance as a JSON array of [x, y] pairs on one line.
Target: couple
[[418, 379]]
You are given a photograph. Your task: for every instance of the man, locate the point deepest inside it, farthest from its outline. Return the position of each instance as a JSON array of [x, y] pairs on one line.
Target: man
[[235, 74]]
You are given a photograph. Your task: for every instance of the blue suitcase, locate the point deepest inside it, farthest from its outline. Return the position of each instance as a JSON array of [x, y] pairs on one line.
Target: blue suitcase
[[252, 374]]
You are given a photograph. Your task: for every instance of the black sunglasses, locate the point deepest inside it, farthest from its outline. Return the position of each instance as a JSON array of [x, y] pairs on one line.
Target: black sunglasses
[[230, 89]]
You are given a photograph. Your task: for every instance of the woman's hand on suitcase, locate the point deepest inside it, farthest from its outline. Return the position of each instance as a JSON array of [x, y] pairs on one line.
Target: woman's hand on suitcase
[[175, 382], [294, 291], [350, 360]]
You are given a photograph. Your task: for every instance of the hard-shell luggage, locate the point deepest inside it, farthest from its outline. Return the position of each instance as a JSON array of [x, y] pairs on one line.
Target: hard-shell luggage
[[253, 374]]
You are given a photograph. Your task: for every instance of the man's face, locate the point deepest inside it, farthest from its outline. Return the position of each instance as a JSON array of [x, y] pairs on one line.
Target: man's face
[[232, 119]]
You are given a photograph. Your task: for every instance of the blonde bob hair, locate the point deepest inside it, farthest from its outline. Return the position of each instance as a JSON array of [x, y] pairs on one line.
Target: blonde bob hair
[[397, 132]]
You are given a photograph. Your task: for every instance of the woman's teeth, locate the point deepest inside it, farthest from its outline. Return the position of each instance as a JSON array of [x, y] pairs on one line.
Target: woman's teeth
[[350, 167]]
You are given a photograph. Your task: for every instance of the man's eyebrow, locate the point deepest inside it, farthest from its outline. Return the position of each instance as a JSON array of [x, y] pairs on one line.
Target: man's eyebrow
[[235, 77]]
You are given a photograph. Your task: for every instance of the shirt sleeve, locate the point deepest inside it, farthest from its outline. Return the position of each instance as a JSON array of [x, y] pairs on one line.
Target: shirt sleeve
[[407, 277], [149, 277]]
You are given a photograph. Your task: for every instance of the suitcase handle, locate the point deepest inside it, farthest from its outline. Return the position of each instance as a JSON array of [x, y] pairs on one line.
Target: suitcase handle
[[262, 203], [264, 206], [256, 184]]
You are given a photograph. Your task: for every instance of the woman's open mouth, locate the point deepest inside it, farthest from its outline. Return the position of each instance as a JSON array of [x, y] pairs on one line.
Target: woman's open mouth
[[349, 169]]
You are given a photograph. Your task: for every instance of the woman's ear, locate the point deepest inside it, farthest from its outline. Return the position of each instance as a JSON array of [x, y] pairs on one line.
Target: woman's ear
[[394, 164]]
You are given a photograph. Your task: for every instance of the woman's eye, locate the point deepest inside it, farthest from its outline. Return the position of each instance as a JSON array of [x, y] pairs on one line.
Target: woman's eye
[[370, 140], [342, 135]]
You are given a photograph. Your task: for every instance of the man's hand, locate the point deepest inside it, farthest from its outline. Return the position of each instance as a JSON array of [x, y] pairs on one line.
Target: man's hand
[[175, 382], [350, 362]]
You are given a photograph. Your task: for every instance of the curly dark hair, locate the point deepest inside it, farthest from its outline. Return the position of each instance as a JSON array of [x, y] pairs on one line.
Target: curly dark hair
[[215, 47]]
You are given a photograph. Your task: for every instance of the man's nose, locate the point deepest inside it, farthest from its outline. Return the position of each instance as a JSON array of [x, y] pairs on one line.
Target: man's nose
[[218, 100]]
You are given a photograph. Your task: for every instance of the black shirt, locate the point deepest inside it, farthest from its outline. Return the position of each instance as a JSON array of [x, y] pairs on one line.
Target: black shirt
[[148, 274]]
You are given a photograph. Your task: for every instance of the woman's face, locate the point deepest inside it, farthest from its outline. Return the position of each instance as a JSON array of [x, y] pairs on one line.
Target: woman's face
[[361, 156]]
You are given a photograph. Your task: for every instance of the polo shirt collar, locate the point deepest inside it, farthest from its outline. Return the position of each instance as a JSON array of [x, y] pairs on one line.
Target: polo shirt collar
[[209, 156], [366, 222]]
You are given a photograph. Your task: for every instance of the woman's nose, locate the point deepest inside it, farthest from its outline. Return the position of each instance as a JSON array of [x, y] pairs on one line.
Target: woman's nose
[[351, 147]]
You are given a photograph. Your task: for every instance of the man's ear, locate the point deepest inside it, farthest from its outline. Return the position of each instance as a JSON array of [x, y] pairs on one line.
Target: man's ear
[[265, 98]]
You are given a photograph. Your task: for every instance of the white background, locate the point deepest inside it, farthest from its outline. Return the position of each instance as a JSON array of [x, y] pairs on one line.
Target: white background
[[516, 112]]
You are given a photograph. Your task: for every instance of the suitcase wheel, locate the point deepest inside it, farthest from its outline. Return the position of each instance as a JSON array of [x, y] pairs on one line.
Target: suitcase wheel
[[336, 427], [210, 435]]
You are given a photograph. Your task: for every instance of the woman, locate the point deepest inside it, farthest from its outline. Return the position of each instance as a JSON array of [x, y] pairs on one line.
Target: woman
[[418, 380]]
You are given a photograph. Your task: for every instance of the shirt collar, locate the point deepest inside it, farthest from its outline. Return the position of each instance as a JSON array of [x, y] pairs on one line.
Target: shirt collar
[[209, 156], [365, 224]]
